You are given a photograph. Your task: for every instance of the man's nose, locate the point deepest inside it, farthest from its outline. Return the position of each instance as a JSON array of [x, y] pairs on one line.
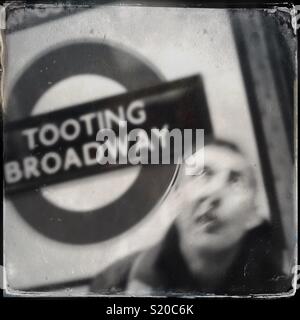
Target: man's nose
[[215, 203], [209, 202], [207, 210]]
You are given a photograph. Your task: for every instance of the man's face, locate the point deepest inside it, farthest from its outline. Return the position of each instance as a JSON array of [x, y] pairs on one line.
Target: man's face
[[217, 206]]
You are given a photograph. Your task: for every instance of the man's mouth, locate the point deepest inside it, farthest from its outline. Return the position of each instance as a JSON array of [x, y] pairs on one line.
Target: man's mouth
[[205, 217]]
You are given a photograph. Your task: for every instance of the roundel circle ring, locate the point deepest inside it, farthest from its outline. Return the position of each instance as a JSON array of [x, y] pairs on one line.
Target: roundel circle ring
[[115, 218]]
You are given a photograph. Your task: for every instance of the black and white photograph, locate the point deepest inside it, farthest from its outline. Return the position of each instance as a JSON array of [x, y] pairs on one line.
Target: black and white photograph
[[149, 150]]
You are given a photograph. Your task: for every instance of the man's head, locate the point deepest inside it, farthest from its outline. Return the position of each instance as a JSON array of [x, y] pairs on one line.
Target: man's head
[[217, 208]]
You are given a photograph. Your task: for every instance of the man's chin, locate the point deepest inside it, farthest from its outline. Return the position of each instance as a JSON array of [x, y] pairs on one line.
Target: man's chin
[[212, 241]]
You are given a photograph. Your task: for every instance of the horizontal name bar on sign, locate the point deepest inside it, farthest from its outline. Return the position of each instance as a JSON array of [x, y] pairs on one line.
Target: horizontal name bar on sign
[[61, 145]]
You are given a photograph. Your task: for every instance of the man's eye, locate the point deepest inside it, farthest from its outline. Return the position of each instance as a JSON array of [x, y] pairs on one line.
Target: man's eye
[[207, 172], [234, 176]]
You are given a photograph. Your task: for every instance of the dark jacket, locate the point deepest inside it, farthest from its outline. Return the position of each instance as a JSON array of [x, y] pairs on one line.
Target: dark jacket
[[255, 270]]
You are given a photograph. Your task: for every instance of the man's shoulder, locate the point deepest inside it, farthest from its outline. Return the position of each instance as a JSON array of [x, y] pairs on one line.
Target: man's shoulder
[[113, 279]]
